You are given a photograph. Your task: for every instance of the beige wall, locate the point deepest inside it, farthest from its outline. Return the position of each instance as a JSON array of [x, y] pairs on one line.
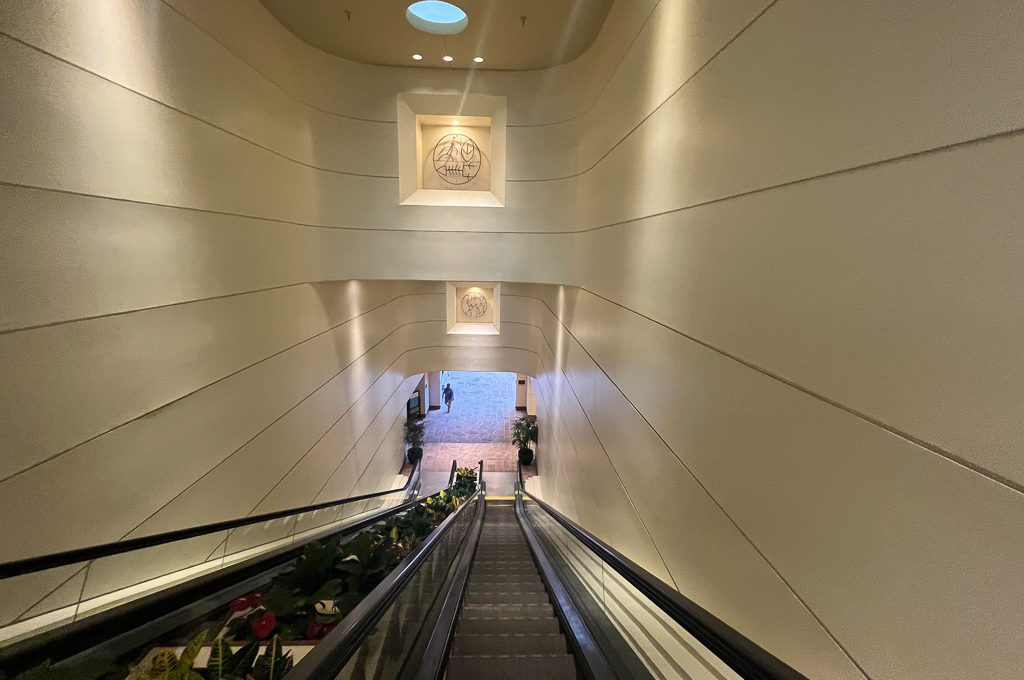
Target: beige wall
[[783, 373]]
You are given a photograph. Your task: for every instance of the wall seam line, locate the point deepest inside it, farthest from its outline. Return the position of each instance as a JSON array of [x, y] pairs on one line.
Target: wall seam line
[[1015, 132], [188, 114], [657, 108], [260, 73], [211, 384], [706, 490], [467, 73], [604, 449], [891, 429]]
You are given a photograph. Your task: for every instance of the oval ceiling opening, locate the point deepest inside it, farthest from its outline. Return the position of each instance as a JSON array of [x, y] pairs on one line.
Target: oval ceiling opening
[[437, 17]]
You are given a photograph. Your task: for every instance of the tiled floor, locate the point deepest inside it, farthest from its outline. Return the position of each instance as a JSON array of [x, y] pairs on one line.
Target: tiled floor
[[483, 410], [479, 427], [438, 456]]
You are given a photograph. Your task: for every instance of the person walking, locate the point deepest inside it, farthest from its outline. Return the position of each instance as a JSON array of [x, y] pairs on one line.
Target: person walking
[[448, 394]]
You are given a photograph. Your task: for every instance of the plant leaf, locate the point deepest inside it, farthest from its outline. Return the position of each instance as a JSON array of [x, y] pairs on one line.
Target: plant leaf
[[188, 657], [164, 662], [273, 663], [220, 658], [327, 591], [242, 660]]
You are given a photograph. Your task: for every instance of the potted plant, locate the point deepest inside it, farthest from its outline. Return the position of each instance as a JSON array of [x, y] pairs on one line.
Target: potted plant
[[414, 438], [524, 431]]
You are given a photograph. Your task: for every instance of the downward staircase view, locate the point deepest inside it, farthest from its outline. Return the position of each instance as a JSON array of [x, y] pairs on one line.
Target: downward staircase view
[[508, 628]]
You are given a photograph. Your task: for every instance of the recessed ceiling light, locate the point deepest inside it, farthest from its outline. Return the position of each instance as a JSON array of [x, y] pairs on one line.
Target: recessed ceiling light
[[478, 60], [455, 122], [417, 57], [437, 17], [448, 58]]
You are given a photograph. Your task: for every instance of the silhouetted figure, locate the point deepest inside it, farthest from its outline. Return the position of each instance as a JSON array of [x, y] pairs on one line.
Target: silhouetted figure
[[448, 394]]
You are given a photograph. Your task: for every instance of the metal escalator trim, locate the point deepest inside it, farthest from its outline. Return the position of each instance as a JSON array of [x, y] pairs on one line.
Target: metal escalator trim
[[588, 653], [331, 654]]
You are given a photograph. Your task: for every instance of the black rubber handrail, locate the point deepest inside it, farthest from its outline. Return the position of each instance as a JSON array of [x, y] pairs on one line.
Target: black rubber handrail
[[29, 565], [330, 655], [737, 651]]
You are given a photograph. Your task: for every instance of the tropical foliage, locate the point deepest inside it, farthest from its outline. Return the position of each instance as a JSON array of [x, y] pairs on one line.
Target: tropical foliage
[[330, 577], [524, 431], [302, 603], [414, 433]]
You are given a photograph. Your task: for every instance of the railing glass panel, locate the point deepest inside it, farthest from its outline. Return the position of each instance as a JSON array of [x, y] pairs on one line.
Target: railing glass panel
[[387, 652]]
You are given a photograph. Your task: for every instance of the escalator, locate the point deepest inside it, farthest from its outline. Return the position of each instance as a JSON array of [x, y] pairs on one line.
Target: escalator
[[495, 588], [507, 627]]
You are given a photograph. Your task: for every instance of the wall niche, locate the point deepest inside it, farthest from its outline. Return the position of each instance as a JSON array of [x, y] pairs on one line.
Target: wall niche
[[451, 150], [474, 307]]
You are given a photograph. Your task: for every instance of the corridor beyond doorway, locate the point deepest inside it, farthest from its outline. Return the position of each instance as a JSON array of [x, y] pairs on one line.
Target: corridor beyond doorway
[[479, 427]]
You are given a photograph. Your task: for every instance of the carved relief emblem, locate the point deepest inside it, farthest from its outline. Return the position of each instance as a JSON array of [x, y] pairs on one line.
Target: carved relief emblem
[[457, 159], [473, 305]]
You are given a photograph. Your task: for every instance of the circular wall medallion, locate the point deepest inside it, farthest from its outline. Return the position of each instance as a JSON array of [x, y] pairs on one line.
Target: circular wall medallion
[[457, 159], [473, 305]]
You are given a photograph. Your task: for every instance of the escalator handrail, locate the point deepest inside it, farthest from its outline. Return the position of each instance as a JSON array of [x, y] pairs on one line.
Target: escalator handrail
[[30, 565], [741, 654], [326, 660]]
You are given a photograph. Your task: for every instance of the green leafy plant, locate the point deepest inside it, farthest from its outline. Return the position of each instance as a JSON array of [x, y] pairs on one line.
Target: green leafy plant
[[524, 431], [465, 483], [414, 433], [273, 663], [227, 665], [169, 666]]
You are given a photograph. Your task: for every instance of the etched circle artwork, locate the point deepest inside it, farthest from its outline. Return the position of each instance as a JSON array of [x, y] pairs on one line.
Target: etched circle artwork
[[473, 305], [457, 159]]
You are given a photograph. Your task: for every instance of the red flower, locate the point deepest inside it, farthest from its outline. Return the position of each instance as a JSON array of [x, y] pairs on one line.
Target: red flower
[[241, 604], [263, 625], [315, 631]]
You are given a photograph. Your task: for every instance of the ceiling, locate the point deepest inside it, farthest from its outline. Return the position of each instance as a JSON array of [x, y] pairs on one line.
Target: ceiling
[[376, 31]]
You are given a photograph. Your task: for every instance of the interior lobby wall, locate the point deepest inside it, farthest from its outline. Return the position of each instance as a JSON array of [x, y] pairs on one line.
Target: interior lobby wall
[[783, 237]]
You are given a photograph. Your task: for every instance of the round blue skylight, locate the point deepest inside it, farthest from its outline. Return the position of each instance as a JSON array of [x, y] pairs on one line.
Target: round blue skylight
[[437, 17]]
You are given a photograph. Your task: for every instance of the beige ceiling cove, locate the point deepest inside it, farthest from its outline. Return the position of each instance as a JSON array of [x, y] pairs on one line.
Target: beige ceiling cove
[[377, 32]]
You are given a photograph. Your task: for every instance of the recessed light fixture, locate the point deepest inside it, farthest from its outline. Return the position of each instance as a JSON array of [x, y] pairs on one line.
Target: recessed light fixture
[[478, 60], [417, 57], [455, 122], [448, 58], [437, 17]]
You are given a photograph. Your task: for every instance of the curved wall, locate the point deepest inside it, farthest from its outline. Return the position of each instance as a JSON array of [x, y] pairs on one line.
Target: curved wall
[[783, 241]]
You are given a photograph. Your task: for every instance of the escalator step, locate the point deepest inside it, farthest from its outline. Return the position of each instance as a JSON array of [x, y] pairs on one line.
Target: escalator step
[[507, 611], [508, 644], [540, 667], [507, 587], [504, 597], [507, 626]]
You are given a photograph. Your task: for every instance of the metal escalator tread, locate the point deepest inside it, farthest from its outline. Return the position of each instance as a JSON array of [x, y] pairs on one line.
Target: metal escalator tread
[[507, 629], [539, 667]]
